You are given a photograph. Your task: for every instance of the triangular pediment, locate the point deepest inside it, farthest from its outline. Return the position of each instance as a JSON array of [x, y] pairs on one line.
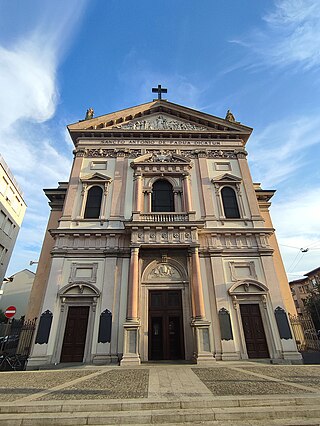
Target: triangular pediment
[[161, 115], [227, 177], [95, 177]]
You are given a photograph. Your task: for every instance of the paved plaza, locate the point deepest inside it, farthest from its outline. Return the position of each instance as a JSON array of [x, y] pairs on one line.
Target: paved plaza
[[161, 381], [224, 394]]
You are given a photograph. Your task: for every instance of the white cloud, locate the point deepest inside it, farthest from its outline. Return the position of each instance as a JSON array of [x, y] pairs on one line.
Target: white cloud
[[282, 148], [291, 35], [29, 95]]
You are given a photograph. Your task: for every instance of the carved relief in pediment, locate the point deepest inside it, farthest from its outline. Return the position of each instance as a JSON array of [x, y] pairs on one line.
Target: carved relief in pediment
[[161, 122]]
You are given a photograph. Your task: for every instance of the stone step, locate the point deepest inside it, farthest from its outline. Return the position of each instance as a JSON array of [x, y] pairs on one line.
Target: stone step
[[135, 405], [168, 416], [278, 422]]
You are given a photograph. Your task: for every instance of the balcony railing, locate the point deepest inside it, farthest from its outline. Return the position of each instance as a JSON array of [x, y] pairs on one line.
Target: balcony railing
[[162, 217]]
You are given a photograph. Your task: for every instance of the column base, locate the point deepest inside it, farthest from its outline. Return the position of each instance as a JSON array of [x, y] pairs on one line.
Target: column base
[[231, 356], [293, 357], [131, 344], [105, 359], [37, 362], [129, 360], [203, 353]]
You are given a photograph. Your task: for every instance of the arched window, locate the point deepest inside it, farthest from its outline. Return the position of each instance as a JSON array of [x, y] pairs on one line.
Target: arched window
[[162, 196], [93, 204], [230, 204]]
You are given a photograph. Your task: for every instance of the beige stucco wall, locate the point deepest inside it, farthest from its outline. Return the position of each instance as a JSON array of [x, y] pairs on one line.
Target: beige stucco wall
[[279, 267], [41, 279]]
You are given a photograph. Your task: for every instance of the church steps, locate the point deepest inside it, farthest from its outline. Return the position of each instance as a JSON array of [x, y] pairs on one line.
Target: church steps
[[156, 404], [97, 413]]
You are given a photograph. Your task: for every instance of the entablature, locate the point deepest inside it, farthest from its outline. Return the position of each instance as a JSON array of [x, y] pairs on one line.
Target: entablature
[[179, 235], [236, 240]]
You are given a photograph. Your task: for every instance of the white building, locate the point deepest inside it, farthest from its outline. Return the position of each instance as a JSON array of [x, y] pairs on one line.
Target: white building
[[12, 210], [16, 292]]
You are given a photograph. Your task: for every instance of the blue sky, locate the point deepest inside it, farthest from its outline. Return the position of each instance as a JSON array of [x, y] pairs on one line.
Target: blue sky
[[260, 59]]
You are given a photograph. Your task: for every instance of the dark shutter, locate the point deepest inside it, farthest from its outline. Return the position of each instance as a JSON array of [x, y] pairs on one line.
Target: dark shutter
[[282, 323], [230, 204], [93, 204], [162, 196], [225, 325], [44, 327], [105, 327]]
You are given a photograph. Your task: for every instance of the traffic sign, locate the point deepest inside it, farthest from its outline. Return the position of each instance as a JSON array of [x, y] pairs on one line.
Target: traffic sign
[[10, 312]]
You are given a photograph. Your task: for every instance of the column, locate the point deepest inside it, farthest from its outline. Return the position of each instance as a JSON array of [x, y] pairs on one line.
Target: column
[[201, 326], [133, 289], [104, 201], [176, 197], [138, 194], [187, 193], [84, 194], [149, 200], [132, 324], [197, 290]]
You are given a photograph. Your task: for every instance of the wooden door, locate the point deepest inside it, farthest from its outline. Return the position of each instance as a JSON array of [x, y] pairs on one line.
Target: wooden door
[[254, 331], [165, 325], [75, 334]]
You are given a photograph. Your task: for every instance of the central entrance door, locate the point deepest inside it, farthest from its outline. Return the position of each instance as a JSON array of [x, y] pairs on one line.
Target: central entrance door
[[75, 334], [253, 331], [165, 325]]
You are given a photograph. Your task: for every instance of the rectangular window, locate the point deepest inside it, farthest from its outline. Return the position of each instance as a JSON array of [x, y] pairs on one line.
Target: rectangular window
[[3, 185], [10, 195], [16, 205], [2, 218], [8, 227], [3, 252]]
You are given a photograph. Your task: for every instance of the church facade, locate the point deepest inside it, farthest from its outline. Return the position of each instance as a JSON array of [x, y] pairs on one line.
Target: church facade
[[160, 247]]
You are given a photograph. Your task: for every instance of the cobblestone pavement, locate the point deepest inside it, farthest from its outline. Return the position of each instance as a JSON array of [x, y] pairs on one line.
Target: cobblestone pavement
[[164, 381]]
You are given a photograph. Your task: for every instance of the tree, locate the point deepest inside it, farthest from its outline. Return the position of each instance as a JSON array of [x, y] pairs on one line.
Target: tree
[[313, 304], [2, 316]]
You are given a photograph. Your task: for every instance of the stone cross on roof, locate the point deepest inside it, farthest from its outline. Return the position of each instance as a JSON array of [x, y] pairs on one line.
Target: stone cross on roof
[[159, 90]]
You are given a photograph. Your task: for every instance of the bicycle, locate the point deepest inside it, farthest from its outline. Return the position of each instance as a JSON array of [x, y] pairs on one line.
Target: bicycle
[[12, 362]]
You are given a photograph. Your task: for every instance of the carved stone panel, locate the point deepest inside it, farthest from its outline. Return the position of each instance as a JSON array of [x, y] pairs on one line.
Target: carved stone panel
[[161, 122]]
